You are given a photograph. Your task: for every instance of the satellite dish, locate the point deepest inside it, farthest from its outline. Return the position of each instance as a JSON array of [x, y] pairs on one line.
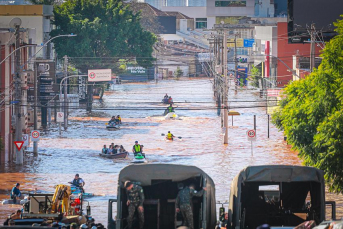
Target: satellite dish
[[15, 22]]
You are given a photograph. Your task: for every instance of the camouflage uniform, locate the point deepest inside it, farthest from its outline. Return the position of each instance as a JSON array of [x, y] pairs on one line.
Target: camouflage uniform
[[184, 203], [136, 198]]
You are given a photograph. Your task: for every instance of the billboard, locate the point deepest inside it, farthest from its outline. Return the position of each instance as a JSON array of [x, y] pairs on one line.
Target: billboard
[[239, 42], [47, 87], [99, 75], [323, 13], [242, 75], [136, 70]]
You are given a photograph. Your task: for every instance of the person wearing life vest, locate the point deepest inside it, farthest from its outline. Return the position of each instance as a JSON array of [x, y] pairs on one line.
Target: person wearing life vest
[[119, 119], [170, 136], [137, 148], [78, 181], [170, 100], [170, 109]]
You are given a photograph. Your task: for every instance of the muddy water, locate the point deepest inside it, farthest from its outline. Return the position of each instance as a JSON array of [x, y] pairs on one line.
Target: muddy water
[[76, 151]]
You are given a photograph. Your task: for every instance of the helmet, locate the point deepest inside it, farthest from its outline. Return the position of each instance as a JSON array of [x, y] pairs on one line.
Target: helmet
[[83, 226], [77, 175], [17, 184], [94, 227], [136, 141]]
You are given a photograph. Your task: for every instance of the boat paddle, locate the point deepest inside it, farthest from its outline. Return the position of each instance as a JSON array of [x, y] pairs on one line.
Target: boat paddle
[[173, 136]]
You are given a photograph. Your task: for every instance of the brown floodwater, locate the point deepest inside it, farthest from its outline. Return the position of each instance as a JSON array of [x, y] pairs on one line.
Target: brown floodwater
[[76, 151]]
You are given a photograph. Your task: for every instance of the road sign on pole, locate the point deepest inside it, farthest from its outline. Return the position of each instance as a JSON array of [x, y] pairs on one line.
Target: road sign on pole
[[19, 144], [26, 139], [251, 137], [60, 117], [35, 135]]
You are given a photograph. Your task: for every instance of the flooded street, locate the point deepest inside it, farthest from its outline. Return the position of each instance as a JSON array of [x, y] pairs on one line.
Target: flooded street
[[76, 151]]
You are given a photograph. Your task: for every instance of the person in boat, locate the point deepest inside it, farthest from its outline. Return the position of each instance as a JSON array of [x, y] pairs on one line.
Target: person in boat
[[78, 181], [13, 216], [137, 148], [170, 109], [170, 100], [15, 193], [135, 196], [118, 119], [115, 149], [166, 96], [110, 150], [112, 120], [121, 149], [169, 136], [183, 203], [105, 149]]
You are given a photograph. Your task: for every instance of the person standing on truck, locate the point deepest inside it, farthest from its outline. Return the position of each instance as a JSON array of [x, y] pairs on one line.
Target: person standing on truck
[[183, 203], [135, 200]]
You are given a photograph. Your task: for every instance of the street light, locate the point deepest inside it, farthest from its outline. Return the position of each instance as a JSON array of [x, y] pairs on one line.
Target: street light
[[65, 35], [24, 46], [35, 144], [290, 69]]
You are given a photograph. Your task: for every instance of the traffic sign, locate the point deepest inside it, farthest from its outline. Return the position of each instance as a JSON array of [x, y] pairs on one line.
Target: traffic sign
[[60, 117], [251, 135], [19, 144], [26, 139], [35, 135]]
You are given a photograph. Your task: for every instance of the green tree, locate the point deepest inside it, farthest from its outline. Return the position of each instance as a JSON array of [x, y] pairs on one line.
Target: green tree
[[178, 72], [106, 31], [255, 76], [311, 114]]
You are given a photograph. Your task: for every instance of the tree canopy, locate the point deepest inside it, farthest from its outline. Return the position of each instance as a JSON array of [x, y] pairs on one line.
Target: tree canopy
[[311, 114], [106, 31]]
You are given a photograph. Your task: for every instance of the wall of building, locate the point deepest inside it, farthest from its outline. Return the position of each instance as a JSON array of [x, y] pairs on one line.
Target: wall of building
[[286, 51], [213, 10], [32, 16], [263, 8]]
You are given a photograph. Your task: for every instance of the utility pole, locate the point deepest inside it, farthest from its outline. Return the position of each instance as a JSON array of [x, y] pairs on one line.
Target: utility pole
[[18, 97], [35, 119], [313, 42], [65, 102], [226, 116], [236, 73]]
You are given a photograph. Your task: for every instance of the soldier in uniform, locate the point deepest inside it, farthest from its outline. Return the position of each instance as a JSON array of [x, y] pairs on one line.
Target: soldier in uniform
[[183, 203], [135, 196]]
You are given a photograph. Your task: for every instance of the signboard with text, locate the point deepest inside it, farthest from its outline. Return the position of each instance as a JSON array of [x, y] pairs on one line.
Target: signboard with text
[[136, 70], [46, 74], [99, 75]]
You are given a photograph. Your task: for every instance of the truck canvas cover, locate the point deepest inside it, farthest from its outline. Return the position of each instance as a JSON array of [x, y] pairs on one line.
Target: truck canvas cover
[[295, 183], [145, 174]]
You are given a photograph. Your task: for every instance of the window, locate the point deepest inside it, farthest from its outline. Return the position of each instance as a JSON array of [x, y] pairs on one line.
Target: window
[[200, 23], [231, 3]]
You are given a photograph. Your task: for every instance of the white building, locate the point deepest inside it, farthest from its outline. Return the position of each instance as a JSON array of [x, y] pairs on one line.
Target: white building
[[33, 17]]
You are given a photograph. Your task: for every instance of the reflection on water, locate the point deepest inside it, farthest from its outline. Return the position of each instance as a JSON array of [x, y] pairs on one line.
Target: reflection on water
[[76, 151]]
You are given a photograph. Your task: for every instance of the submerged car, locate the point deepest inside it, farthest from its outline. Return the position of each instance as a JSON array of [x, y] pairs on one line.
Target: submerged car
[[161, 184], [278, 195]]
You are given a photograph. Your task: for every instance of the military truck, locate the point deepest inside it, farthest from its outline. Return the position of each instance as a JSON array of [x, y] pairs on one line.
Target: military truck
[[278, 195], [161, 184]]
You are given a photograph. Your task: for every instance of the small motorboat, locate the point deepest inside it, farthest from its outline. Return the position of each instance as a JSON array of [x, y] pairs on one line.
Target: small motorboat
[[18, 202], [171, 115], [79, 190], [139, 158], [114, 156], [112, 126]]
